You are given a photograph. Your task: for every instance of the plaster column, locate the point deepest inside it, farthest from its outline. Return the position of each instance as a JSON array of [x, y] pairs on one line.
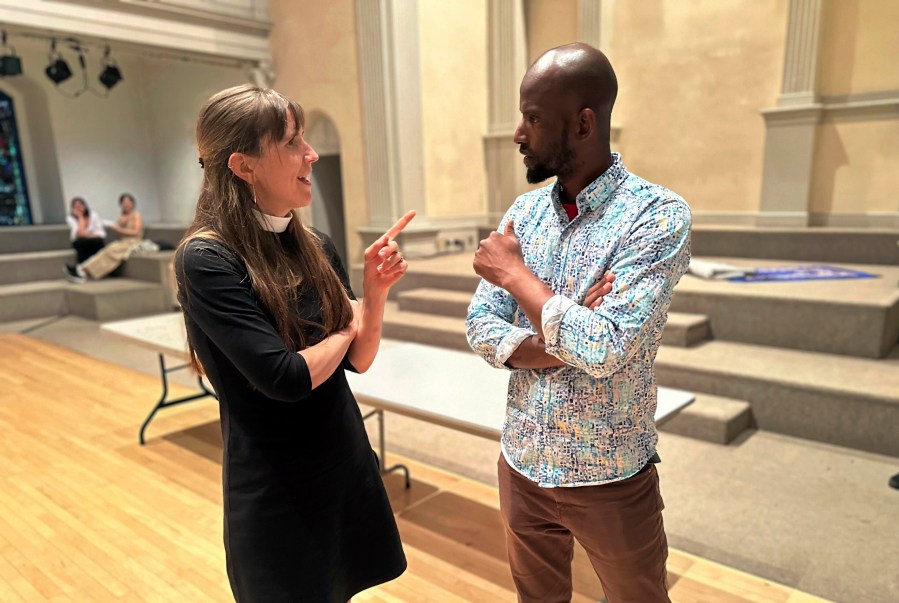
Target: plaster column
[[791, 127], [507, 52], [391, 115]]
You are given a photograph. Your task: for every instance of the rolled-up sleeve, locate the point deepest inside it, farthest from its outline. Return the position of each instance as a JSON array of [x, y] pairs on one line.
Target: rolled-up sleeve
[[490, 325]]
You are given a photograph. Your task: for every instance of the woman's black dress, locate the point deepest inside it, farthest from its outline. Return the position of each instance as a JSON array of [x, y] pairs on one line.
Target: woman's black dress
[[306, 514]]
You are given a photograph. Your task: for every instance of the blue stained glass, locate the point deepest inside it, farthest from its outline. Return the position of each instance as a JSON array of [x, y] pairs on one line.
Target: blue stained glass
[[15, 209]]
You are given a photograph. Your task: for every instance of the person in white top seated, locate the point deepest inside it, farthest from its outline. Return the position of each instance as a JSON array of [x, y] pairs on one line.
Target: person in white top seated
[[85, 229], [130, 227]]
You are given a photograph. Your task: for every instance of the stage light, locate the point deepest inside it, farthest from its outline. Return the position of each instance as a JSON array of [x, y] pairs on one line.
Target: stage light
[[111, 74], [10, 64], [58, 70]]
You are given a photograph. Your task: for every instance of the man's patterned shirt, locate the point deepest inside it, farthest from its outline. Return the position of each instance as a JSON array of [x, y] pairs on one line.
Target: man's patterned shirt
[[591, 421]]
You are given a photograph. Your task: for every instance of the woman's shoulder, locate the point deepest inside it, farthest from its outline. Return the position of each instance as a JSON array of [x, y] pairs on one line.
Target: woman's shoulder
[[203, 251], [324, 241]]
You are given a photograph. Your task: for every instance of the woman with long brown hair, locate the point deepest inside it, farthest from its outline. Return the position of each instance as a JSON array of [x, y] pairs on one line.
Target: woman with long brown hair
[[271, 321]]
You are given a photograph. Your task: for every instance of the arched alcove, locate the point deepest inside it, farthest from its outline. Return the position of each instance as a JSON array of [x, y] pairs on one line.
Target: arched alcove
[[38, 149], [327, 180]]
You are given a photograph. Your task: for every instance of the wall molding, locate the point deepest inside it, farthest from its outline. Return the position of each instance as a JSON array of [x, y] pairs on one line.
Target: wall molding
[[887, 220], [725, 218], [835, 108], [125, 27], [870, 220], [250, 19], [860, 110], [798, 115]]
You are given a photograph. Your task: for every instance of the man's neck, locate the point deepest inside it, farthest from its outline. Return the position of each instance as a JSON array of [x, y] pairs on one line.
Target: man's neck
[[591, 170]]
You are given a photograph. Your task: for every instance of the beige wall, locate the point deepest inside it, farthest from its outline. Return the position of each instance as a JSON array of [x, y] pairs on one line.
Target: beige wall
[[856, 158], [855, 167], [313, 46], [859, 47], [453, 41], [549, 23], [692, 79]]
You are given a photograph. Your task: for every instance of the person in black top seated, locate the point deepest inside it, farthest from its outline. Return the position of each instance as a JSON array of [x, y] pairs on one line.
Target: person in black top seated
[[85, 230], [272, 322]]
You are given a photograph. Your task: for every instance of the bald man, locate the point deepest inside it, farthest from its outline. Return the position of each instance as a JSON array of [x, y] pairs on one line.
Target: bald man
[[579, 440]]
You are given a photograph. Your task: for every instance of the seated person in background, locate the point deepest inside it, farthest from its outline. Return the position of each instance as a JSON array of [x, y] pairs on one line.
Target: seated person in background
[[85, 230], [131, 228]]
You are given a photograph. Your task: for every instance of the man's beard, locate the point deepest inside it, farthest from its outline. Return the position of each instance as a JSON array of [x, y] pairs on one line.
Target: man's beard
[[560, 163]]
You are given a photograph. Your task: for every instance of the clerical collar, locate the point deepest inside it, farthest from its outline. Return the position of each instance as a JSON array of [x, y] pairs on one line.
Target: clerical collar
[[272, 223]]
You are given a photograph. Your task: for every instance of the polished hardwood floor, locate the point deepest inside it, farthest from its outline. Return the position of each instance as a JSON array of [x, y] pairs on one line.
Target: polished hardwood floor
[[89, 515]]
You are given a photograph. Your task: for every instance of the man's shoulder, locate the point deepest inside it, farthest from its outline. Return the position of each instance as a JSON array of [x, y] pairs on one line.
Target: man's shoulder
[[653, 196]]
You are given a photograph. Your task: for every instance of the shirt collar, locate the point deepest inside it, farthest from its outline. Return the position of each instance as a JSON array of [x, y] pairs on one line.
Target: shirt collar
[[598, 191], [272, 223]]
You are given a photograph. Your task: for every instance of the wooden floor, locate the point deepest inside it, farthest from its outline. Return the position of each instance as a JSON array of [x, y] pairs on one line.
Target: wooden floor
[[87, 514]]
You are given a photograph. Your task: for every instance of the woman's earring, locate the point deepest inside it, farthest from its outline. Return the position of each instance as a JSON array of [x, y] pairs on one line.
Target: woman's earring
[[253, 186]]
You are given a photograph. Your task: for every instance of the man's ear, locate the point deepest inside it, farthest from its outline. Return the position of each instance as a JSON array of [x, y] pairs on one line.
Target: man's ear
[[242, 166], [586, 123]]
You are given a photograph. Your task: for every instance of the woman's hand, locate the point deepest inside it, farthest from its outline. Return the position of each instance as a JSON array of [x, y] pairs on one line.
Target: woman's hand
[[384, 263]]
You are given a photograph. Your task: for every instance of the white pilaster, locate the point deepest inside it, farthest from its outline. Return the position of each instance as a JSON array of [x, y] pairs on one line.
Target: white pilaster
[[387, 32], [792, 126], [507, 52], [590, 22]]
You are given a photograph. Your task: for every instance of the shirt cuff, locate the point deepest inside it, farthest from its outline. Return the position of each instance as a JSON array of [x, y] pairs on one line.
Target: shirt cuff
[[509, 344], [553, 311]]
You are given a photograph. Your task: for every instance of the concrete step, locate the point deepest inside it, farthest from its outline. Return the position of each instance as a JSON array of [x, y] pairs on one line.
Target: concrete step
[[857, 317], [443, 302], [22, 239], [852, 402], [27, 325], [681, 329], [117, 298], [165, 234], [154, 267], [23, 301], [841, 245], [55, 237], [33, 266], [712, 419], [685, 330], [420, 327]]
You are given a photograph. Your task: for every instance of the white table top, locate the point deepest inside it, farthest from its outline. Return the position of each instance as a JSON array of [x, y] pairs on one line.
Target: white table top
[[446, 387], [163, 333], [455, 389]]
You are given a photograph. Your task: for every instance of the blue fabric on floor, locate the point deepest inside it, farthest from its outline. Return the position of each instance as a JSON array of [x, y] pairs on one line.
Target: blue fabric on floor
[[801, 273]]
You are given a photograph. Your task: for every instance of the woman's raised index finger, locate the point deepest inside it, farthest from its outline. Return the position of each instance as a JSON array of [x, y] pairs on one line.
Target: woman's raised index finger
[[401, 224]]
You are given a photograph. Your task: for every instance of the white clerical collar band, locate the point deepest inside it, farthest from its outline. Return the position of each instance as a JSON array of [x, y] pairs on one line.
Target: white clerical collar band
[[272, 223]]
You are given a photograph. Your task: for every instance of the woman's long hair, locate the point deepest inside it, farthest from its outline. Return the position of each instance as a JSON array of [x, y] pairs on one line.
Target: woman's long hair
[[243, 119]]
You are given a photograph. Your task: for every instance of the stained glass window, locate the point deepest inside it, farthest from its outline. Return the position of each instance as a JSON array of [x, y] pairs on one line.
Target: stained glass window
[[14, 207]]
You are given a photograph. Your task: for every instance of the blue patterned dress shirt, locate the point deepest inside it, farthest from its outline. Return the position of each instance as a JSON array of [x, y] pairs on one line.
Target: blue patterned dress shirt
[[591, 421]]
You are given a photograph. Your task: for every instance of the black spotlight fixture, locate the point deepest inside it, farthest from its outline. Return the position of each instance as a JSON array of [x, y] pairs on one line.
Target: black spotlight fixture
[[58, 70], [111, 74], [10, 64]]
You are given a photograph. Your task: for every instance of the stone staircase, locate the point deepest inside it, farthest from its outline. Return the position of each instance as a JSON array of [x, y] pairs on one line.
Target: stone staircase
[[814, 359], [32, 284]]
